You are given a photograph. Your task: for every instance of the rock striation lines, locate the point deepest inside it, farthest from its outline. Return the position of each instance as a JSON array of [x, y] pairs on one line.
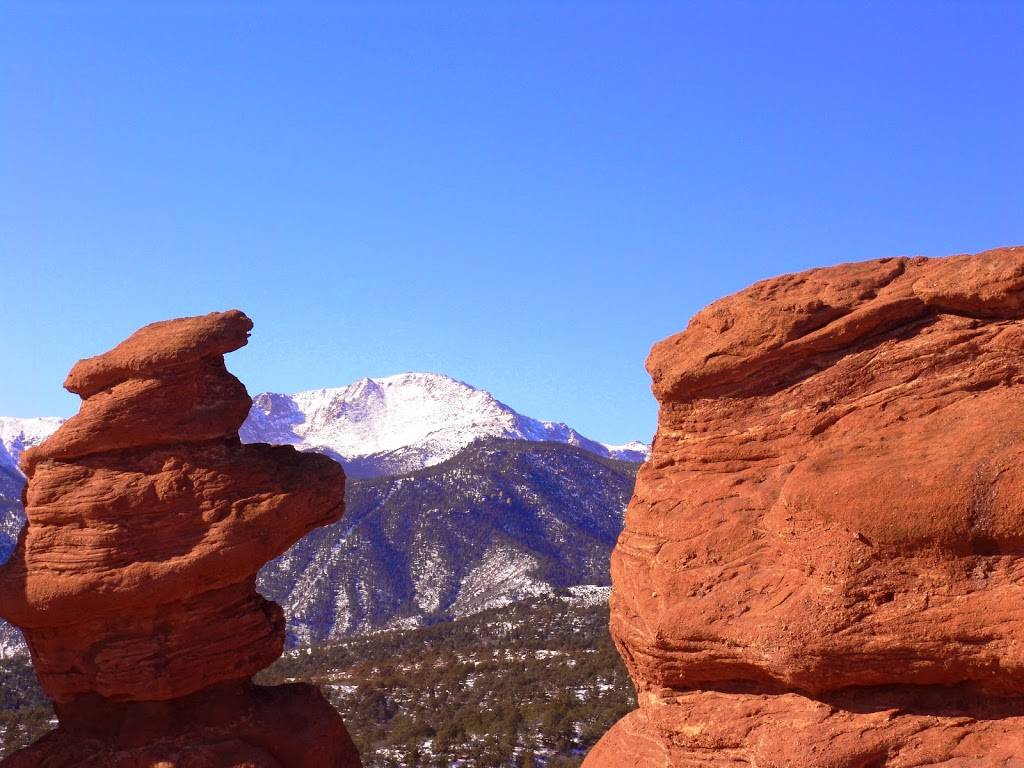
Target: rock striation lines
[[823, 562], [134, 578]]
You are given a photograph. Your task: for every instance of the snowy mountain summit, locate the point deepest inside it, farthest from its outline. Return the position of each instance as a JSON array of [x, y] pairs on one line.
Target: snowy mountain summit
[[500, 522], [17, 435], [373, 426], [403, 423]]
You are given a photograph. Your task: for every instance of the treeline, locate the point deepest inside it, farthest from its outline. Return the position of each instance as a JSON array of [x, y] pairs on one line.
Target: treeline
[[25, 712], [532, 685]]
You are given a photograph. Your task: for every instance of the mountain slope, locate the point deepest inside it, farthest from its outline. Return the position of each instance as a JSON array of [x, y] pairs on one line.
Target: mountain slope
[[488, 505], [501, 521], [403, 423], [374, 427]]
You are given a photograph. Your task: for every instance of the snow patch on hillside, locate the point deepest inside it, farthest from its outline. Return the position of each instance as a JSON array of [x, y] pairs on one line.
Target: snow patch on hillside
[[429, 578], [12, 642], [634, 450], [589, 594], [502, 576], [18, 435]]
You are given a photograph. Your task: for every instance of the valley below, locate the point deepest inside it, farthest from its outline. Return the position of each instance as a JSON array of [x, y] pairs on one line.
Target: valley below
[[457, 613], [533, 683]]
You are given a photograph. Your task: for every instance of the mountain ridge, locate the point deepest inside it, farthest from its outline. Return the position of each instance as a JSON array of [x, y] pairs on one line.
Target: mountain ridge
[[394, 424], [501, 521], [455, 486], [373, 426]]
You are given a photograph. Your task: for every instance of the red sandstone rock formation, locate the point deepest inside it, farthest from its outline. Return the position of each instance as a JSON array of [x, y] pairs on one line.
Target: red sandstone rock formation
[[823, 563], [134, 578]]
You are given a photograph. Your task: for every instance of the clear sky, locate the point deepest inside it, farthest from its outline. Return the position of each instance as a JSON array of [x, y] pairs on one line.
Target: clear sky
[[522, 195]]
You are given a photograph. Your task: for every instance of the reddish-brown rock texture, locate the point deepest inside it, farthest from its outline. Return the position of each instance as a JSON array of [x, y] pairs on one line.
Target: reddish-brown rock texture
[[823, 562], [134, 579]]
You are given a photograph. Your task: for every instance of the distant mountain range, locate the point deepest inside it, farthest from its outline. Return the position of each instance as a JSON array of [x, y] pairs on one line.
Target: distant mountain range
[[403, 423], [373, 427], [501, 521], [455, 503]]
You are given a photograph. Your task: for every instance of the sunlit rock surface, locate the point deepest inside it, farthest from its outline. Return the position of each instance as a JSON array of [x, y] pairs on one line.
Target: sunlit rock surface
[[823, 561], [134, 579]]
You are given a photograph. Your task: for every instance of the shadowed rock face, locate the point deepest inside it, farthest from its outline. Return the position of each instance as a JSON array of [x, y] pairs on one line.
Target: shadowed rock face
[[823, 562], [134, 577]]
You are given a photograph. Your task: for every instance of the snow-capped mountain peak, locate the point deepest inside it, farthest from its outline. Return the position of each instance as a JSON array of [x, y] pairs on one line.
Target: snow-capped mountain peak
[[634, 450], [403, 422], [17, 435], [374, 426]]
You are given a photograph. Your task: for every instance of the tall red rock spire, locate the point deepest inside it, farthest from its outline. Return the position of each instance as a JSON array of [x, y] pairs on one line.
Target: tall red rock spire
[[823, 562], [134, 579]]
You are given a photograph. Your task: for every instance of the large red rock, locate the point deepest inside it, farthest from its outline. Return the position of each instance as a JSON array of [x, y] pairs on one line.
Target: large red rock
[[823, 562], [134, 579]]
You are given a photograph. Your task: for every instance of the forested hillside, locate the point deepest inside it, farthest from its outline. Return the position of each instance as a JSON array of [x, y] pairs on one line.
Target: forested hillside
[[502, 521], [530, 684]]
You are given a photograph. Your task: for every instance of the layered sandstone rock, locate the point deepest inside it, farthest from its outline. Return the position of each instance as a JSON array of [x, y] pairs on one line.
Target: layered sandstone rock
[[134, 580], [823, 562]]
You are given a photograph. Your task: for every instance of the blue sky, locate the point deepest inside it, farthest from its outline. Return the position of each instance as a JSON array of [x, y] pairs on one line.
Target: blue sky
[[523, 195]]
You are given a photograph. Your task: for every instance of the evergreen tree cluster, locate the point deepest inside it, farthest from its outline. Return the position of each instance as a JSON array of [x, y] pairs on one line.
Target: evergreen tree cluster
[[535, 684], [530, 685]]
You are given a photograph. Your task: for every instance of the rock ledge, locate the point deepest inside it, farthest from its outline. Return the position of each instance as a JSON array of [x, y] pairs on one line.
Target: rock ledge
[[823, 559], [134, 579]]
